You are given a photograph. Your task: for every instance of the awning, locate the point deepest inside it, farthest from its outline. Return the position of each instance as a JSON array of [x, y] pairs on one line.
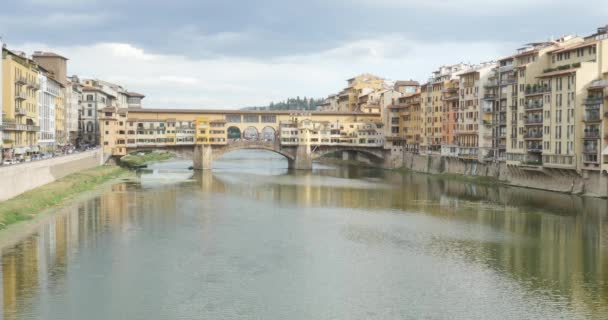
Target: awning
[[20, 150], [605, 152]]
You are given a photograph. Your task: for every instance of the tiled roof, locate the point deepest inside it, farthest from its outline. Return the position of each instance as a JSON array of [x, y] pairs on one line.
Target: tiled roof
[[48, 55]]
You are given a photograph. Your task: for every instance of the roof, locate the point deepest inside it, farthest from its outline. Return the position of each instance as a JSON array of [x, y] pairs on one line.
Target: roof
[[557, 73], [88, 88], [578, 46], [275, 112], [525, 53], [407, 83], [134, 94], [39, 54]]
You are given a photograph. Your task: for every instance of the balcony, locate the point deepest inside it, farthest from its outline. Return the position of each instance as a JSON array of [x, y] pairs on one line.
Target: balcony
[[534, 148], [533, 136], [33, 128], [489, 96], [20, 96], [592, 134], [34, 85], [592, 117], [20, 80], [537, 90], [487, 109], [20, 111], [590, 149], [534, 121], [491, 83], [506, 68], [507, 81], [11, 126], [594, 100], [534, 105]]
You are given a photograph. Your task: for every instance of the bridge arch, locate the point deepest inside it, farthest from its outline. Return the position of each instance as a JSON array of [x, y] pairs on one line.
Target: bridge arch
[[377, 155], [251, 133], [253, 145], [269, 133], [233, 133]]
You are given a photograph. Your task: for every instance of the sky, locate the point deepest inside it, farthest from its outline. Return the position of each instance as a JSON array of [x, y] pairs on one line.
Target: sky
[[236, 53]]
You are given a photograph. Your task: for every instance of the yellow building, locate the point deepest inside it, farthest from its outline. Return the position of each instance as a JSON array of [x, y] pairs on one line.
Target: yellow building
[[19, 105]]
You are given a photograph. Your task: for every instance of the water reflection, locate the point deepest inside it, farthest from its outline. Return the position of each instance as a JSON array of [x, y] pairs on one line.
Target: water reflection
[[138, 250]]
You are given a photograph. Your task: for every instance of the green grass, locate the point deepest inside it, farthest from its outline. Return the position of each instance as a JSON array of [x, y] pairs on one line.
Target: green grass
[[27, 205], [135, 160]]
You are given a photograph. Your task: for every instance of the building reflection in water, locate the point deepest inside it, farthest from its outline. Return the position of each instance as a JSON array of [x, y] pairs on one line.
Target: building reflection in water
[[552, 242]]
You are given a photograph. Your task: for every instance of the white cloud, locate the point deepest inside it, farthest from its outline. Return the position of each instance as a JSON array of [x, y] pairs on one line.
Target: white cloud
[[180, 81]]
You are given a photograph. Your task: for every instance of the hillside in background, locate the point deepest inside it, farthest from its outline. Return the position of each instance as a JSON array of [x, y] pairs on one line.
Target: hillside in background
[[291, 104]]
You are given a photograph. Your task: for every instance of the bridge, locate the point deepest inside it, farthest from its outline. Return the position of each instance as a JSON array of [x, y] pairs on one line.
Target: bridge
[[206, 135]]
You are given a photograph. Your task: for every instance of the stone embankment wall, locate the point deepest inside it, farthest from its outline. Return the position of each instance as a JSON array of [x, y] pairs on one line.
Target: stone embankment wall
[[19, 178], [569, 181]]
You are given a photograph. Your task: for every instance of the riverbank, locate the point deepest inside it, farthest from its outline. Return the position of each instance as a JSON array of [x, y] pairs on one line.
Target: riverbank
[[28, 205], [587, 183]]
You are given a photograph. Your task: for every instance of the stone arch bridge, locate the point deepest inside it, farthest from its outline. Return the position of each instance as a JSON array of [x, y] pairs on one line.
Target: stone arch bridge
[[298, 156]]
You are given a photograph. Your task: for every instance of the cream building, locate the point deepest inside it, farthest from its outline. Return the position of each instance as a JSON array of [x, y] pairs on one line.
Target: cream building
[[47, 101], [474, 127], [73, 97], [19, 105]]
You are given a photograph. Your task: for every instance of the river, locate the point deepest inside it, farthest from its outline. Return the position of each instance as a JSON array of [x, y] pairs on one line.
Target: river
[[252, 240]]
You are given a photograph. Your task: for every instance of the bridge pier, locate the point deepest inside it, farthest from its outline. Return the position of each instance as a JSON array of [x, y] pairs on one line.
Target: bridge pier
[[202, 157], [303, 158]]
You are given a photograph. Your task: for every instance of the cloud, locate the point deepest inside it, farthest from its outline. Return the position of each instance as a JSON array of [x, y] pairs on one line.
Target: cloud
[[171, 80]]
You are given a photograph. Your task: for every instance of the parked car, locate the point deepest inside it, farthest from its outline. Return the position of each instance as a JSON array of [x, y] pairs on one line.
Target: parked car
[[8, 162]]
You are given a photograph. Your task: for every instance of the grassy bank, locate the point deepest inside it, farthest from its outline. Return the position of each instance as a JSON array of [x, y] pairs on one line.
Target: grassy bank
[[141, 158], [458, 177], [27, 205]]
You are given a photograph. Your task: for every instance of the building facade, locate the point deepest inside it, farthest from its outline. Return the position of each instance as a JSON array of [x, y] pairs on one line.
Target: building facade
[[19, 105]]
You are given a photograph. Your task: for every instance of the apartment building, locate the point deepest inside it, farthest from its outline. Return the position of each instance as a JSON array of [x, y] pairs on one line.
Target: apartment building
[[73, 97], [55, 69], [474, 127], [348, 98], [47, 107], [439, 97], [19, 105], [94, 99]]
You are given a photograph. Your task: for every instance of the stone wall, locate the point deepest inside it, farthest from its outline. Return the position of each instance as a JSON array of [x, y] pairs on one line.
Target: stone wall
[[569, 181], [20, 178]]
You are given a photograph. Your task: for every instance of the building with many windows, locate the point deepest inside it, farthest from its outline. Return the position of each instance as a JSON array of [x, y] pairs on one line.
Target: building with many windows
[[19, 105]]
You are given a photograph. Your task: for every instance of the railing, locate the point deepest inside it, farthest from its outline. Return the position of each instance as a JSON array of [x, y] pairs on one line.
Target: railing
[[21, 95], [33, 128], [537, 90], [20, 79], [592, 134], [592, 116], [593, 100], [20, 111], [532, 105], [14, 126], [505, 68], [536, 148], [599, 83], [534, 121], [491, 83], [489, 96], [533, 135], [590, 149]]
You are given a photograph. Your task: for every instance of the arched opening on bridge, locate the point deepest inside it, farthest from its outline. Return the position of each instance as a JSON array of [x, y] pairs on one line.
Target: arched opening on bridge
[[254, 160], [251, 133], [268, 134], [354, 155], [234, 133]]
